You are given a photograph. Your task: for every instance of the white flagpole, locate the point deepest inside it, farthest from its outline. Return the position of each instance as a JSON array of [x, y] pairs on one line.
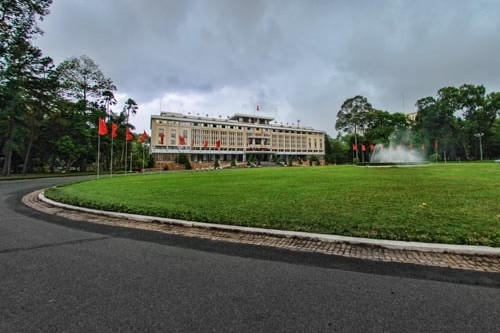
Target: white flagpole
[[143, 156], [98, 152], [126, 150], [111, 165]]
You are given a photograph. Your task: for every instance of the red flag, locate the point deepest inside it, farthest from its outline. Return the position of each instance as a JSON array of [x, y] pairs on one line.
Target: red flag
[[182, 140], [217, 144], [363, 148], [143, 137], [103, 129], [162, 136], [205, 144], [354, 147], [114, 129], [436, 145], [128, 135], [372, 147]]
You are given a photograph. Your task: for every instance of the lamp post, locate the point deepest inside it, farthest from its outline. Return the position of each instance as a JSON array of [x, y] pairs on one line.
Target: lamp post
[[480, 135]]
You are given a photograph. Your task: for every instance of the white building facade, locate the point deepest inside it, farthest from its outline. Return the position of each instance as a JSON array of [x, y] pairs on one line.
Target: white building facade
[[241, 137]]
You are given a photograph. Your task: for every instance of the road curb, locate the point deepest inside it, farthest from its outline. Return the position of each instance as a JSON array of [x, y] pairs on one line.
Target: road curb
[[388, 244]]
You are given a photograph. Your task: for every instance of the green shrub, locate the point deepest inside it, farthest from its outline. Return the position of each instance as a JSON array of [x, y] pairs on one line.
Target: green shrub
[[184, 159]]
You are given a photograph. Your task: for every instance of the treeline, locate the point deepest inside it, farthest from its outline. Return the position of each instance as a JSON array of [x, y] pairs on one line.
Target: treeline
[[459, 124], [49, 114]]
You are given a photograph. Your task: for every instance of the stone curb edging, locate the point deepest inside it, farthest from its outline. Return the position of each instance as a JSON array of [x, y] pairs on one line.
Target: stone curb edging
[[389, 244]]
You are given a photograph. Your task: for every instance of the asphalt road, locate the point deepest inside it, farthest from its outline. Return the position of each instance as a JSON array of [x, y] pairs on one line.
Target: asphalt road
[[61, 275]]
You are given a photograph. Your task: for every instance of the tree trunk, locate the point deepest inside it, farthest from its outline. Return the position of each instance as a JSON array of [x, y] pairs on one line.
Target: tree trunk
[[466, 151], [7, 163], [27, 156]]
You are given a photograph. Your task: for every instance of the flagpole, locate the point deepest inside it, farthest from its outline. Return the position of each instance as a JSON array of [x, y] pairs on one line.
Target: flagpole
[[98, 152], [125, 150], [143, 156], [111, 165]]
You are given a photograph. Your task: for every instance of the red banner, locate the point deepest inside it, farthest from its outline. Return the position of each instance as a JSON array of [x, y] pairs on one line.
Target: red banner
[[103, 129], [114, 130], [143, 137], [128, 135]]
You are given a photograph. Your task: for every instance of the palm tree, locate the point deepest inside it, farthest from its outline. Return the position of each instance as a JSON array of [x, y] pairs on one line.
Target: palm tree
[[129, 108]]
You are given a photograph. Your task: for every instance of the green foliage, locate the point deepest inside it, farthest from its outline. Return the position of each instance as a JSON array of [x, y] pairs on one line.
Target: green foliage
[[461, 200], [434, 157], [184, 159], [455, 116]]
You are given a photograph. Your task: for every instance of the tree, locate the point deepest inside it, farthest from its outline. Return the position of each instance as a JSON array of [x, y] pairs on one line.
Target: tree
[[379, 126], [351, 117], [25, 83], [129, 108], [82, 81], [22, 68], [456, 116], [18, 21]]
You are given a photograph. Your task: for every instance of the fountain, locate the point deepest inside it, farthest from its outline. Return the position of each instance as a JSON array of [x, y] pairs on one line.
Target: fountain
[[397, 155]]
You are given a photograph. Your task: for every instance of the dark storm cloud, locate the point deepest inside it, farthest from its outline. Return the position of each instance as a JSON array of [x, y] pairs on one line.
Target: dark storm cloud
[[297, 59]]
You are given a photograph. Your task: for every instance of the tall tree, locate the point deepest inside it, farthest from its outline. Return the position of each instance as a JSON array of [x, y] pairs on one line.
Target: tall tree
[[82, 81], [352, 117], [23, 76]]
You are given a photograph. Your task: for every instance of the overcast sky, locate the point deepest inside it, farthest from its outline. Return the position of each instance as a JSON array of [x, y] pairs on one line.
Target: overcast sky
[[297, 60]]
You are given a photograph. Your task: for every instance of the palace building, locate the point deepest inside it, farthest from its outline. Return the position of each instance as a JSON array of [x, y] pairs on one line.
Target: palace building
[[241, 137]]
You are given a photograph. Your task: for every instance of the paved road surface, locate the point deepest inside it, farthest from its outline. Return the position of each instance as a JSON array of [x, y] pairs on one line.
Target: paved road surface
[[60, 275]]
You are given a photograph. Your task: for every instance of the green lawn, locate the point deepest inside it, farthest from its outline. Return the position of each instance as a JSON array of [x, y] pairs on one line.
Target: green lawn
[[447, 203]]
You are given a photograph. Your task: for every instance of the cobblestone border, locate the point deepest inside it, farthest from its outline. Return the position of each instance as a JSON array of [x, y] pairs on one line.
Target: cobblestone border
[[475, 258]]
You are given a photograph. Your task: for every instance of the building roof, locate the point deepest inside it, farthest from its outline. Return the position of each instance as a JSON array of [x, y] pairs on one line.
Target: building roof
[[236, 116], [233, 120]]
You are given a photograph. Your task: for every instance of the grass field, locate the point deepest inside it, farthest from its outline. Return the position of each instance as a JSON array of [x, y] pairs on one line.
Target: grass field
[[446, 203]]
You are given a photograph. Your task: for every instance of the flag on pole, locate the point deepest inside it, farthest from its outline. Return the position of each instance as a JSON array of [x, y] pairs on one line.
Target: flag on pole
[[354, 147], [205, 144], [114, 130], [363, 148], [182, 140], [103, 129], [143, 137], [128, 135], [217, 144]]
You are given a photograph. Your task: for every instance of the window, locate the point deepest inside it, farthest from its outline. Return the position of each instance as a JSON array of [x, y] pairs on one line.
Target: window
[[161, 136], [173, 134]]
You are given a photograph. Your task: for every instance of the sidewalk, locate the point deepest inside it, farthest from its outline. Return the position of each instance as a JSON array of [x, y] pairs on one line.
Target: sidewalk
[[477, 258]]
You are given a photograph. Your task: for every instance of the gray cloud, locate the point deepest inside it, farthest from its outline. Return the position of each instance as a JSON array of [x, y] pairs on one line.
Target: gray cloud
[[297, 59]]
